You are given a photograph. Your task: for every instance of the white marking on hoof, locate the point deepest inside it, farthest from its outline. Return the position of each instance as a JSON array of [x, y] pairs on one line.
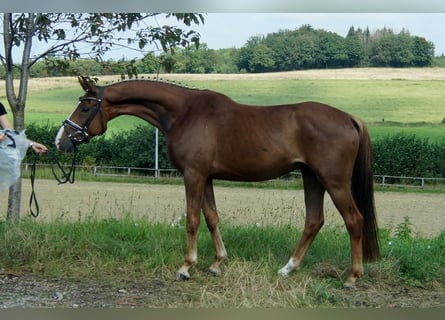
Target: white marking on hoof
[[288, 268]]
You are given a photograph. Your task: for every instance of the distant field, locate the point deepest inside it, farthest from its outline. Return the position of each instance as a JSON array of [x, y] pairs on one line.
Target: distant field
[[432, 132], [389, 100]]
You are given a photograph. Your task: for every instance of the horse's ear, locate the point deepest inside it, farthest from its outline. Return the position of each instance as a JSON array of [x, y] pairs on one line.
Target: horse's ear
[[87, 83]]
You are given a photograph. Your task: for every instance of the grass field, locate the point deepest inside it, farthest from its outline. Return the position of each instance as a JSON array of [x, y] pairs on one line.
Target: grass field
[[103, 238], [389, 100]]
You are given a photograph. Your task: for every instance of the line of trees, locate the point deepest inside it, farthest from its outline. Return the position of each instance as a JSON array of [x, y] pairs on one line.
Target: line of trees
[[398, 155], [307, 48]]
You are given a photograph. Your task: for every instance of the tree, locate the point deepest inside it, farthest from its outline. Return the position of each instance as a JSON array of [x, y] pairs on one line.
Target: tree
[[402, 50], [355, 47], [246, 53], [73, 36], [195, 60], [381, 48], [423, 52], [332, 50], [292, 50], [261, 59]]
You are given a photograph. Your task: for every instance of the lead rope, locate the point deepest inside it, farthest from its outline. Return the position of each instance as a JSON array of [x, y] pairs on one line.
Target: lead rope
[[67, 176], [33, 197]]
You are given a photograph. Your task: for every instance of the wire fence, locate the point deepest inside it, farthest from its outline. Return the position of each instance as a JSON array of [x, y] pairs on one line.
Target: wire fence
[[111, 171]]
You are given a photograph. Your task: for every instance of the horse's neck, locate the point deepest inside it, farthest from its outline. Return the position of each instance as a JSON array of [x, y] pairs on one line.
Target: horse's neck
[[158, 103]]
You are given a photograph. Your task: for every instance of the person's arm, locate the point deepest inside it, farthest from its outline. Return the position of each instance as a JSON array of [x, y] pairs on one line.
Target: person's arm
[[4, 124], [37, 147]]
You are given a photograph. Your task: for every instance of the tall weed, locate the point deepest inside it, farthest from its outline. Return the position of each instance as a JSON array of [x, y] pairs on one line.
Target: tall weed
[[420, 260]]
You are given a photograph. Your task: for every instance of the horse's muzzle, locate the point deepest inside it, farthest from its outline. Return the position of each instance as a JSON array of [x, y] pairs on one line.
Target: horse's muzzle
[[62, 142]]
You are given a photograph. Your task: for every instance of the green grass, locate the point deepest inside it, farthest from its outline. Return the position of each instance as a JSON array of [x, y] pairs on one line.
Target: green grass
[[88, 249], [388, 106], [103, 249]]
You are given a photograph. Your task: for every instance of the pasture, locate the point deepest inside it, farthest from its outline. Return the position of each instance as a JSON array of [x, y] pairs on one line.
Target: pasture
[[388, 100], [119, 244]]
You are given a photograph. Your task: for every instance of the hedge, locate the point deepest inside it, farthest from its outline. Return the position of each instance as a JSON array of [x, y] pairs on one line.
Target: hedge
[[401, 154]]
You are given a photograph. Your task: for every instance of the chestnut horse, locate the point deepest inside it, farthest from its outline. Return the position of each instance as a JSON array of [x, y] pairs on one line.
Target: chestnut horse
[[209, 136]]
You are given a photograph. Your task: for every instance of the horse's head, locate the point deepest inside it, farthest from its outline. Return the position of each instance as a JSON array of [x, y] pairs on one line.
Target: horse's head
[[86, 121]]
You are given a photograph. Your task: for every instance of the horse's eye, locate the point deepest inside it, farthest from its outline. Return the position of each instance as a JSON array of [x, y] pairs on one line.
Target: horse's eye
[[84, 109]]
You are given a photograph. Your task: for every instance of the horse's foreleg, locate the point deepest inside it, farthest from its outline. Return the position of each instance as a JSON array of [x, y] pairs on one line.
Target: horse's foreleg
[[212, 219], [313, 196], [194, 189]]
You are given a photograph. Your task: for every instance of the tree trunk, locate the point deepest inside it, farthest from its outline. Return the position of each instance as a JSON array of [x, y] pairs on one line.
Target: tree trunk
[[15, 191], [17, 103], [15, 195]]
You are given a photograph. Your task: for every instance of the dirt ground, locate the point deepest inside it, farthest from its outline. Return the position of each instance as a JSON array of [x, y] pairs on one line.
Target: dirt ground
[[240, 206], [166, 203], [30, 291]]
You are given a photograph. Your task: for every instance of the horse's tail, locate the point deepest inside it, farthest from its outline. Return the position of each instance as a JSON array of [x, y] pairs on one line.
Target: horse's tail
[[362, 186]]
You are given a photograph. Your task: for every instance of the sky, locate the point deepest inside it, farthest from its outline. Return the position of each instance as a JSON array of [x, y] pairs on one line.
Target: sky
[[228, 30]]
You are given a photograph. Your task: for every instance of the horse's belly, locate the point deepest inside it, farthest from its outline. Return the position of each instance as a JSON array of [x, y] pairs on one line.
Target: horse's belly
[[255, 170]]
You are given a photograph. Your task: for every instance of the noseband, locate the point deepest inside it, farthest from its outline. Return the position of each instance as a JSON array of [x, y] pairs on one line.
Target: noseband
[[80, 135]]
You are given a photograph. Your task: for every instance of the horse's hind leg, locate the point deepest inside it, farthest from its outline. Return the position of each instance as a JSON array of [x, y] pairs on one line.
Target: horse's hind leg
[[344, 201], [313, 196], [211, 217]]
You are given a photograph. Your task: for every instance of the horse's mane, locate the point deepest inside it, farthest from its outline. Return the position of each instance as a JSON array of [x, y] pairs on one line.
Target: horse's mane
[[152, 79]]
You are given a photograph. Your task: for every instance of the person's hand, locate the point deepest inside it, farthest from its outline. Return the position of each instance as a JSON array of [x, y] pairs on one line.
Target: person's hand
[[39, 148], [2, 136]]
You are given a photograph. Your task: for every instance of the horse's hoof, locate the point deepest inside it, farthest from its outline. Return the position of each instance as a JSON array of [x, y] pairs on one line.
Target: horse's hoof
[[213, 272], [348, 286], [283, 273], [182, 276]]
